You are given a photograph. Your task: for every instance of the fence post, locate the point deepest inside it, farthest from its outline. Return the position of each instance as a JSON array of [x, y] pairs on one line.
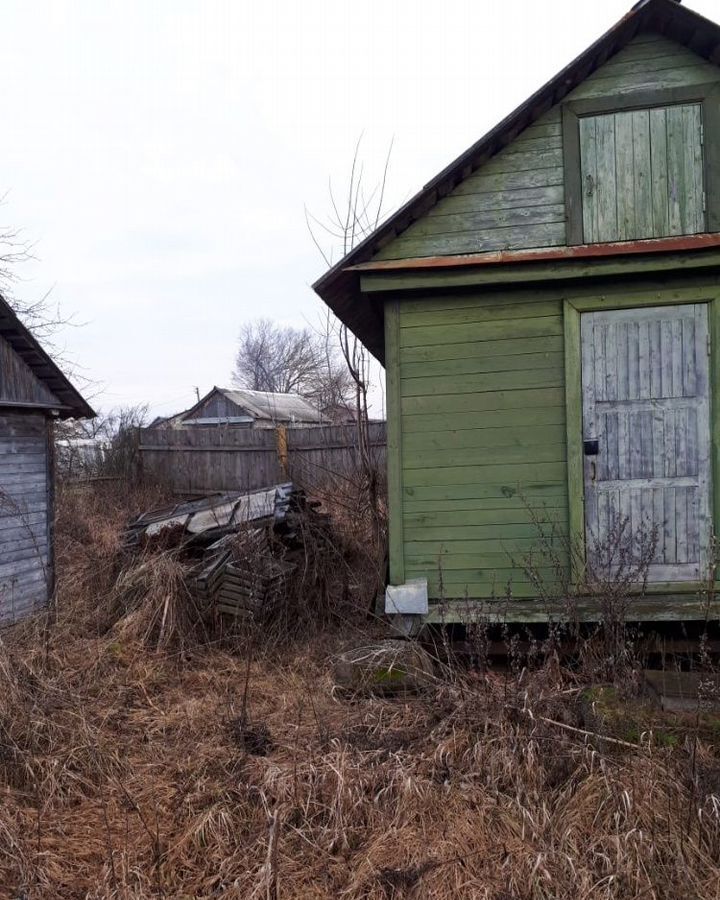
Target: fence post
[[282, 447]]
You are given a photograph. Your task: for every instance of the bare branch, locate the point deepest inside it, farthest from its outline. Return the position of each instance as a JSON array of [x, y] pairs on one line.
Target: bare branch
[[292, 360]]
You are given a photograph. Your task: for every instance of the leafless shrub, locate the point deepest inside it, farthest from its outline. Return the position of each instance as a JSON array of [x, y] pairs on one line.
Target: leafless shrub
[[359, 519], [354, 214], [610, 574], [102, 448], [121, 460]]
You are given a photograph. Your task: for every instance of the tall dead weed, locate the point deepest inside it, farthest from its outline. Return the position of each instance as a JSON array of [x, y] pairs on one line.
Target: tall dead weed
[[123, 773]]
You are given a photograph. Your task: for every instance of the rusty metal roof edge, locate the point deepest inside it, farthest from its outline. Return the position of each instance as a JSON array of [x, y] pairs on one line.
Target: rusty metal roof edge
[[543, 254]]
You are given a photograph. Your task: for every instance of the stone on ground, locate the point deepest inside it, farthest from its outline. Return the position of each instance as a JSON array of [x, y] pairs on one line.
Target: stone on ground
[[385, 667]]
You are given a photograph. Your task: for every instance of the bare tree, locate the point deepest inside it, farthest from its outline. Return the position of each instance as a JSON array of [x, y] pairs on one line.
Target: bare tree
[[351, 219], [284, 359], [40, 316], [43, 318]]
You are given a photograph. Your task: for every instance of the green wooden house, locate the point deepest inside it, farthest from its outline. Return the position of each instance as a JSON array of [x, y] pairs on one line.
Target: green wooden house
[[548, 312]]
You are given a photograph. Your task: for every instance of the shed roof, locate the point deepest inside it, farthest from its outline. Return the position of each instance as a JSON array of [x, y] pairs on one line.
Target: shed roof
[[266, 405], [29, 349], [339, 286]]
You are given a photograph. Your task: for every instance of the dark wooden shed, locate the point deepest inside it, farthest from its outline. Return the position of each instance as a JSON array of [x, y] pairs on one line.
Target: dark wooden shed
[[34, 393], [548, 312]]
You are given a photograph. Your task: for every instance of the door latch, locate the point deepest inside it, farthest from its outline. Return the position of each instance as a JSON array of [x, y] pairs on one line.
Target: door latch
[[591, 448]]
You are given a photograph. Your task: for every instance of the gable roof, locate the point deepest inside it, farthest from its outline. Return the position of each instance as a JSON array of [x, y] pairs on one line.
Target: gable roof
[[265, 405], [30, 351], [339, 286]]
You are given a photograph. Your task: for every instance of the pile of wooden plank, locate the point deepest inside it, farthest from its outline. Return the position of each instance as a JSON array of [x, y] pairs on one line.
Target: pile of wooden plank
[[241, 546], [244, 594], [211, 573], [241, 576]]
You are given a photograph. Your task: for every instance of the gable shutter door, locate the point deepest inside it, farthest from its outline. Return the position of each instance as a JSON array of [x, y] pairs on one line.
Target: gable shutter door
[[642, 174]]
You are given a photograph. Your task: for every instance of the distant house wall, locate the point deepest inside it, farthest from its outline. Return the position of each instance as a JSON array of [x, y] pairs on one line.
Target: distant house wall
[[217, 406], [81, 457]]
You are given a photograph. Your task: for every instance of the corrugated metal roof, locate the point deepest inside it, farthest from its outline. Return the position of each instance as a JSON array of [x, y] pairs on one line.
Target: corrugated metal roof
[[277, 407], [264, 405], [28, 348], [339, 286]]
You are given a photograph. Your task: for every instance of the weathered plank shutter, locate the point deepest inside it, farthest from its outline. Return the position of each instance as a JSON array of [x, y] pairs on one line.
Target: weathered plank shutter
[[646, 404], [642, 173]]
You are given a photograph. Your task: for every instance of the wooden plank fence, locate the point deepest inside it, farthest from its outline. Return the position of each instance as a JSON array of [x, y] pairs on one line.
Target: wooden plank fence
[[224, 458]]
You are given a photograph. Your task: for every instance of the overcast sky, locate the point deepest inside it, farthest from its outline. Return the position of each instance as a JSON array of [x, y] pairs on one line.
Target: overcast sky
[[158, 154]]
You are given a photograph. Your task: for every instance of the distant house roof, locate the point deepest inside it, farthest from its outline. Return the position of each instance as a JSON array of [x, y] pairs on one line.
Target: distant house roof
[[26, 346], [339, 286], [263, 405], [167, 421], [340, 413], [282, 407]]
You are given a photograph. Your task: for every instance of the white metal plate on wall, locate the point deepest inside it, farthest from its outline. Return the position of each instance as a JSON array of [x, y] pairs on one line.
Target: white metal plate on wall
[[410, 598]]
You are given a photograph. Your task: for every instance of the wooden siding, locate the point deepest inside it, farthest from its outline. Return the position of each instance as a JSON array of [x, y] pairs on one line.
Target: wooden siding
[[18, 384], [486, 387], [516, 200], [483, 437], [650, 62], [25, 513]]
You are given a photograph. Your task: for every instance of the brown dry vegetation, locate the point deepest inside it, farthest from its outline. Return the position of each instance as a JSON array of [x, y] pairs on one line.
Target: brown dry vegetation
[[128, 771]]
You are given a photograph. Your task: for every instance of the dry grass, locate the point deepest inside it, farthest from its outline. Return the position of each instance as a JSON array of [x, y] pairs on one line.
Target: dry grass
[[127, 772]]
